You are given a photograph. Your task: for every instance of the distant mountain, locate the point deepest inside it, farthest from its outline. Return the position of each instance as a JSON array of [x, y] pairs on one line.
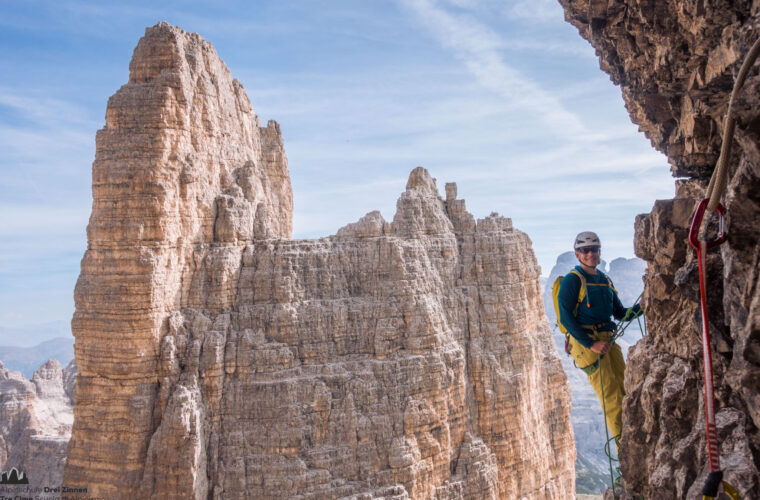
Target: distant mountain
[[35, 423], [591, 467], [28, 359], [31, 335], [626, 275]]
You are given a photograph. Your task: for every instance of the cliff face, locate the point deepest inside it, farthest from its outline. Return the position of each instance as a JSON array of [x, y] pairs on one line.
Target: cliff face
[[218, 357], [35, 421], [675, 62]]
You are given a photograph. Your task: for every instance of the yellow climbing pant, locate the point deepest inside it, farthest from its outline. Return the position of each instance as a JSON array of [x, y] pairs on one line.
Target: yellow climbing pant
[[613, 366]]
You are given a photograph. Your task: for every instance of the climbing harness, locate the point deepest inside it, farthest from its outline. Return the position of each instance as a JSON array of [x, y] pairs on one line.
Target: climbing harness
[[710, 204], [715, 478]]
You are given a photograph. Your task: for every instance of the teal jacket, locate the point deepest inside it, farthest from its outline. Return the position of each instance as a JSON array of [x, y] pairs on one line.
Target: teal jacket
[[599, 305]]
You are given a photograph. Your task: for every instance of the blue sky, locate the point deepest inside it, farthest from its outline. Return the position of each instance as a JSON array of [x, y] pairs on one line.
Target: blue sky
[[503, 98]]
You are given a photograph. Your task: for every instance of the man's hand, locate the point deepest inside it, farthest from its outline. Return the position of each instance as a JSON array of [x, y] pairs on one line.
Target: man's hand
[[634, 312], [600, 347]]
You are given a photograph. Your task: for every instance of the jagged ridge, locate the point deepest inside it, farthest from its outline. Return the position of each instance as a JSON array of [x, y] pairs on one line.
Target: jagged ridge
[[409, 359]]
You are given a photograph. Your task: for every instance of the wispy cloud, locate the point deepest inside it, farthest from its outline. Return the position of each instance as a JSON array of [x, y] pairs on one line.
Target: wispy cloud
[[559, 48], [20, 220], [525, 10], [34, 125], [48, 146], [76, 18], [39, 107], [478, 47], [501, 97], [461, 133], [536, 10]]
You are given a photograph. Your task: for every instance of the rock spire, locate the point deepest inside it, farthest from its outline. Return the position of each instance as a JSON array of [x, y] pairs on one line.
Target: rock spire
[[218, 357]]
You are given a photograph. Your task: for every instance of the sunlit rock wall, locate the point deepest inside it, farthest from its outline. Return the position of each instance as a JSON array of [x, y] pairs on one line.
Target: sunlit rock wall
[[219, 358]]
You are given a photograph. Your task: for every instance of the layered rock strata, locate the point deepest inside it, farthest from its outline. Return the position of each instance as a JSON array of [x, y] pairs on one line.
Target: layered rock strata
[[35, 422], [675, 62], [219, 358]]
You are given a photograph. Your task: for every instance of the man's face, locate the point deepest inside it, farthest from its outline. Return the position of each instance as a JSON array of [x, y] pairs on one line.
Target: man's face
[[589, 256]]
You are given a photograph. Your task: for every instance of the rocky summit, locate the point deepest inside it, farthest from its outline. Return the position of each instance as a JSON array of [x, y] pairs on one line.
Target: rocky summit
[[676, 63], [219, 358]]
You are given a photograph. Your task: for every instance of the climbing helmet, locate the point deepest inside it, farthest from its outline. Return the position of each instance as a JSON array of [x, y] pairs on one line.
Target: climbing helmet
[[586, 239]]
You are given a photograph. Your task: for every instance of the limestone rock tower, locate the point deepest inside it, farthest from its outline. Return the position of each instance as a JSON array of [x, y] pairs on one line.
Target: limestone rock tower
[[219, 358]]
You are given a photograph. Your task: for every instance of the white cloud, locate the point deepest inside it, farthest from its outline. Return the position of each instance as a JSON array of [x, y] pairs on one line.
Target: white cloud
[[506, 100], [21, 220], [54, 135], [465, 4], [37, 106], [478, 46], [536, 10], [523, 10], [550, 47]]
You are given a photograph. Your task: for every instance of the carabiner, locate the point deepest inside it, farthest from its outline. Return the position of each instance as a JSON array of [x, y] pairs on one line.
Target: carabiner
[[696, 222]]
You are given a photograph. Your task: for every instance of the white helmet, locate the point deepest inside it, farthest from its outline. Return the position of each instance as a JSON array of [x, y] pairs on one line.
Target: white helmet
[[586, 239]]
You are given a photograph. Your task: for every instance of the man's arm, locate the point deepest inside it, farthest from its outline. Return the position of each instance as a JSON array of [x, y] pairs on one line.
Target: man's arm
[[619, 311], [566, 300]]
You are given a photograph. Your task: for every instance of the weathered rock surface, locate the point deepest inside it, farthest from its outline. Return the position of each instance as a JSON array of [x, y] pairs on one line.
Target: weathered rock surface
[[219, 358], [675, 62], [35, 421]]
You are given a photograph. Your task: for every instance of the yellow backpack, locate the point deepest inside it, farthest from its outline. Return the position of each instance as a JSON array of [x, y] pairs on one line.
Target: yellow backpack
[[555, 297], [581, 296]]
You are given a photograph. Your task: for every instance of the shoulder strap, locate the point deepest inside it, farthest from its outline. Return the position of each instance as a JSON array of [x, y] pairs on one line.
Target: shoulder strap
[[609, 282], [555, 297], [582, 291]]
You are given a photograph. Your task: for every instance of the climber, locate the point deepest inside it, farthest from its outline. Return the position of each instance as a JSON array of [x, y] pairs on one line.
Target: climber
[[585, 314]]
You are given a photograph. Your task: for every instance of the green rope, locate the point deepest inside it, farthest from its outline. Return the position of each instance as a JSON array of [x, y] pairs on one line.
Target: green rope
[[627, 320], [607, 449], [616, 334]]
